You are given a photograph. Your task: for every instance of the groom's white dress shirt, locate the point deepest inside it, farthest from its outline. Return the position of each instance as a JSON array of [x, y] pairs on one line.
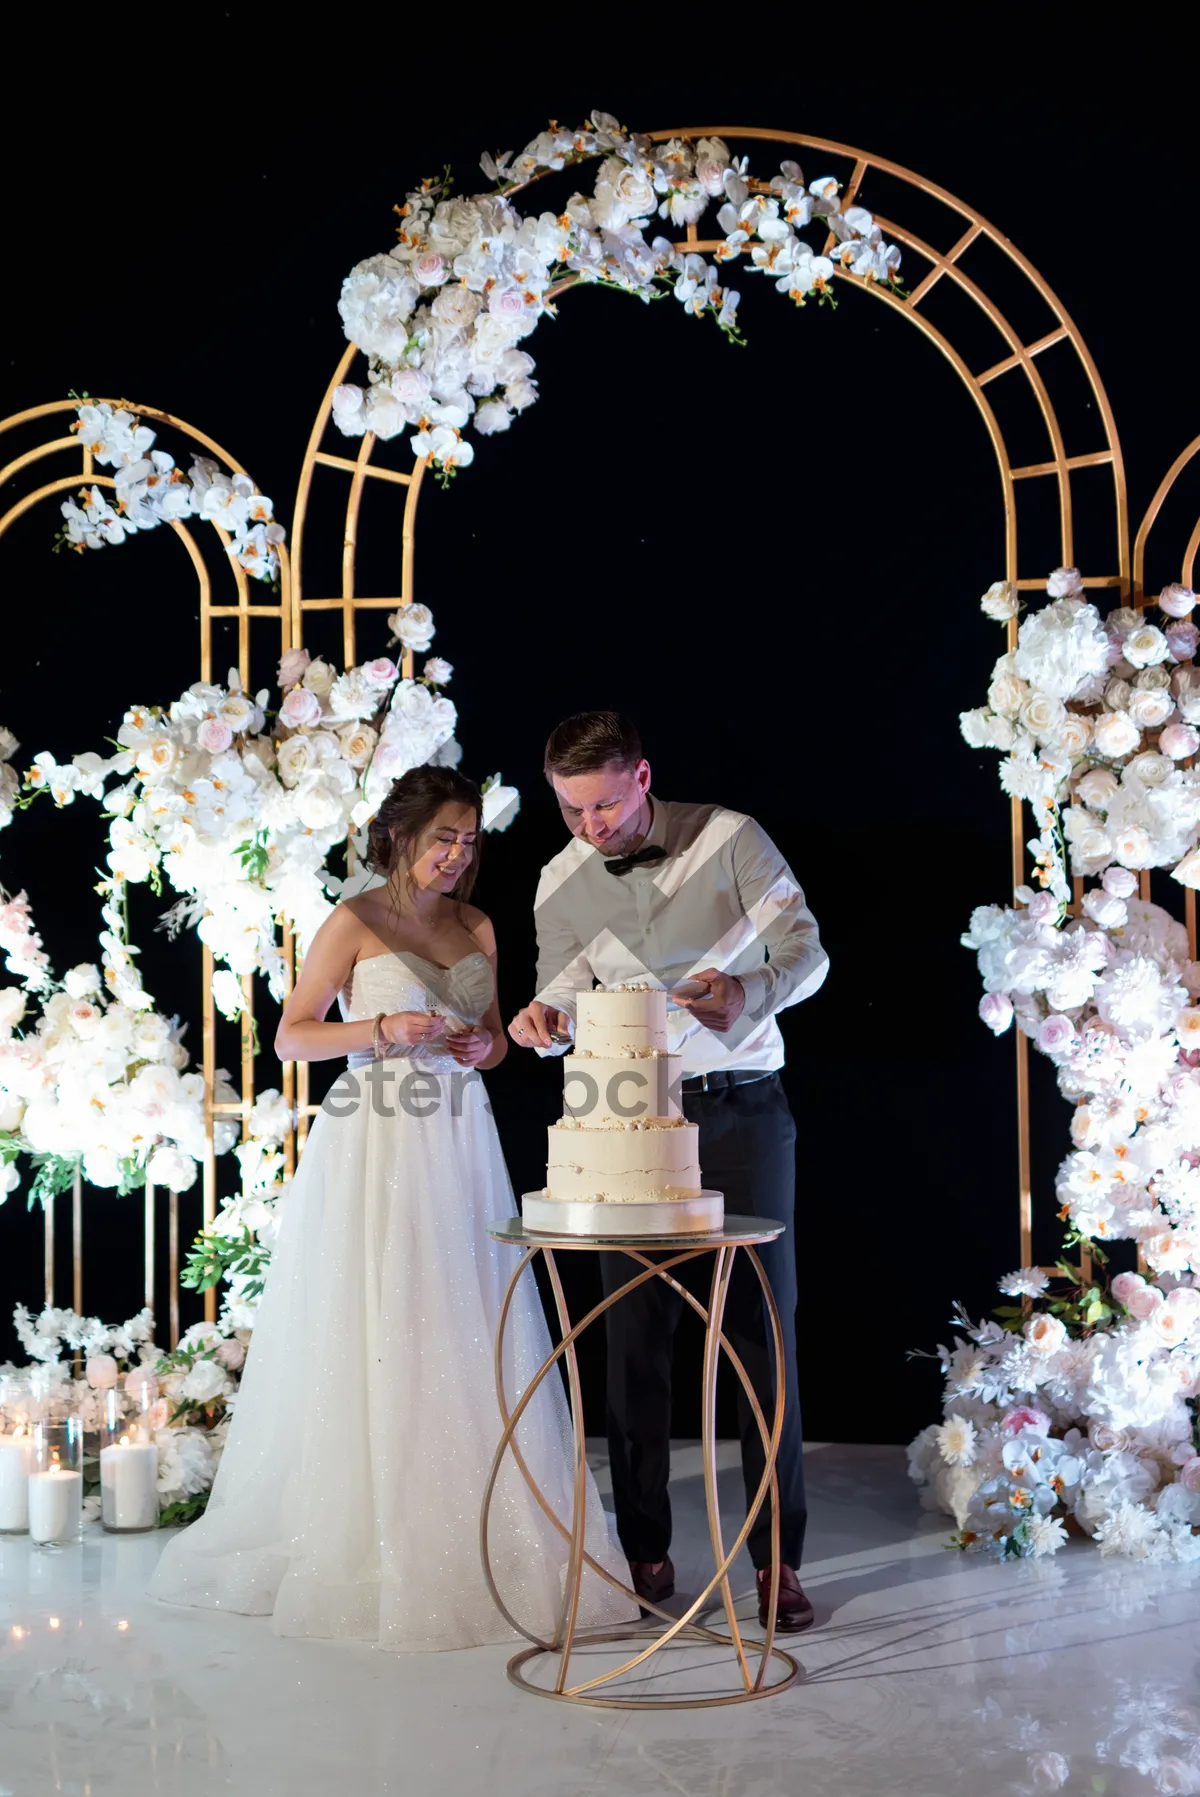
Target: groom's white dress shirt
[[722, 897]]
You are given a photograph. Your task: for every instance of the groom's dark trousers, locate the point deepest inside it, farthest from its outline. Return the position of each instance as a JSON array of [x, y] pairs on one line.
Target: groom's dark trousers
[[747, 1151]]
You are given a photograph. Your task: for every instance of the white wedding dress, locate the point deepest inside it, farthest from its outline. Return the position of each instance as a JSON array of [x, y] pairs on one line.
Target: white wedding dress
[[347, 1500]]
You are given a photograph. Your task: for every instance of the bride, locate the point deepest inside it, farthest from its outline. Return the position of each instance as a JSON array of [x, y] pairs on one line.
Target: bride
[[347, 1499]]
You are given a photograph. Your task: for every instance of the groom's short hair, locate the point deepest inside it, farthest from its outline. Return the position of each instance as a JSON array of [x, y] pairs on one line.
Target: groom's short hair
[[592, 740]]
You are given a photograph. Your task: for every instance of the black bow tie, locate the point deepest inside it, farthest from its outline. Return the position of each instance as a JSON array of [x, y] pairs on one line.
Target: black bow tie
[[621, 864]]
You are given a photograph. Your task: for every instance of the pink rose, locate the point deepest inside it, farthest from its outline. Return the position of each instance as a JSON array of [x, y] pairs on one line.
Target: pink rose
[[231, 1354], [506, 302], [430, 269], [1182, 640], [996, 1011], [1120, 882], [1055, 1034], [1025, 1417], [382, 673], [1139, 1299], [1064, 583], [141, 1385], [1179, 741], [411, 386], [214, 735], [1189, 1475], [301, 710], [101, 1370], [156, 1416], [293, 665], [1176, 601]]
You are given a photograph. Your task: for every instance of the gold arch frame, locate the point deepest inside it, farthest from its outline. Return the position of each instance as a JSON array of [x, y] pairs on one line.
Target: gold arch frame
[[968, 227], [244, 609]]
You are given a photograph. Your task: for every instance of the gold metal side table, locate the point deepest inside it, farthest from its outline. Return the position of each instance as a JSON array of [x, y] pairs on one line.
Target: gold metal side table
[[747, 1679]]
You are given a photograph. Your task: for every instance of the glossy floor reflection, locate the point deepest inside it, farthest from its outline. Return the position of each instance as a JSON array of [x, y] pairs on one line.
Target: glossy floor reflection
[[927, 1674]]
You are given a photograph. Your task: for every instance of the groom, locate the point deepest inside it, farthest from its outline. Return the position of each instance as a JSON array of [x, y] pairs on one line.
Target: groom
[[651, 888]]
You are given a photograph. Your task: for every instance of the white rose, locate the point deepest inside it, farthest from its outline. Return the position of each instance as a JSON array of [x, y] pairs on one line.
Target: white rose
[[82, 981], [348, 409], [205, 1381], [317, 807], [454, 227], [169, 1167], [996, 1010], [1146, 646], [411, 386], [1006, 695], [101, 1371], [84, 1018], [1098, 788], [1045, 1334], [414, 626], [357, 743], [1116, 734], [1109, 912], [491, 417], [1072, 736], [1177, 601], [1155, 676], [1132, 846], [384, 414], [237, 710], [319, 678], [1151, 768], [294, 758], [1150, 707], [1001, 601], [1041, 714], [1064, 583], [437, 670], [520, 394], [1117, 695], [8, 744], [456, 306]]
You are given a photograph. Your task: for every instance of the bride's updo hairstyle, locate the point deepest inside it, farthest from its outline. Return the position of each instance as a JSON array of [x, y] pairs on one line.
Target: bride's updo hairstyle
[[409, 808]]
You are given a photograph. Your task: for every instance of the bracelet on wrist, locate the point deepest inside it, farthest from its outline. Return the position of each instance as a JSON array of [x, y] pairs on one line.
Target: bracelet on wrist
[[379, 1047]]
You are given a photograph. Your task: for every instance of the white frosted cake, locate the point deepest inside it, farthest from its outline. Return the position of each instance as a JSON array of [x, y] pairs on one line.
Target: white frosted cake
[[623, 1158]]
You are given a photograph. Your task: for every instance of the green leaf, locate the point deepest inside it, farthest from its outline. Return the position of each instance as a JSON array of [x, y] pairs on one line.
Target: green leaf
[[133, 1178], [10, 1148], [187, 1510], [55, 1174]]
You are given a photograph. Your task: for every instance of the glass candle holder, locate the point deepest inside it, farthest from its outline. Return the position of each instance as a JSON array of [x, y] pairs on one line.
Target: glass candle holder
[[56, 1478], [128, 1463], [16, 1454]]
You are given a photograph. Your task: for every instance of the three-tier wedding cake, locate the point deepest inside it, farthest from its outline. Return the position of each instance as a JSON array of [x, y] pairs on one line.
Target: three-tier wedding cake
[[623, 1158]]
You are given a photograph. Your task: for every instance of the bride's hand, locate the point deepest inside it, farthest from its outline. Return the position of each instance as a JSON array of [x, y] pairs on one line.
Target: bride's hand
[[470, 1046], [406, 1029]]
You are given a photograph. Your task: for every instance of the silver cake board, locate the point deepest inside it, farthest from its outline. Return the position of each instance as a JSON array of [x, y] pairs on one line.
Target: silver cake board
[[702, 1215]]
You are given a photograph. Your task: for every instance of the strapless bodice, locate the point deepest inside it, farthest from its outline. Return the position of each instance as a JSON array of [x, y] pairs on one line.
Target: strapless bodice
[[408, 982]]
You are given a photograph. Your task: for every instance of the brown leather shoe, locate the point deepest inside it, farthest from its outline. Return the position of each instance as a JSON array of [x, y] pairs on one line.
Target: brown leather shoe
[[654, 1581], [793, 1612]]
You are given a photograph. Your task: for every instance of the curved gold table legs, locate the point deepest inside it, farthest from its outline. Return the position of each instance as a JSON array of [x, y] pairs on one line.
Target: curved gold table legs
[[751, 1679]]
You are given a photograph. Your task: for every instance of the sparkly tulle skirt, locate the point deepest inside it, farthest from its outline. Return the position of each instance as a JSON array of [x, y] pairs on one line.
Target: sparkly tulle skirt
[[347, 1500]]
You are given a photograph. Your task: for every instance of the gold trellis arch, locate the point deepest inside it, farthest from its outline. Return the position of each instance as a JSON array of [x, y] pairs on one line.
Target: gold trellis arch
[[244, 608], [966, 227]]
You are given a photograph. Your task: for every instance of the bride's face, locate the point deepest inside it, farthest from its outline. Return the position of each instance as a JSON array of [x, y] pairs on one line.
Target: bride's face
[[445, 848]]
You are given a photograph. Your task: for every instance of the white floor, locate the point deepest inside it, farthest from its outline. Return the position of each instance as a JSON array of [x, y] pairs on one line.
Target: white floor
[[928, 1673]]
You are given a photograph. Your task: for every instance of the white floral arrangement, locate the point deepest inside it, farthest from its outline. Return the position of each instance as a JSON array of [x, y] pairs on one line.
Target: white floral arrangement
[[190, 1391], [95, 1080], [1081, 1402], [442, 315], [241, 816], [150, 490]]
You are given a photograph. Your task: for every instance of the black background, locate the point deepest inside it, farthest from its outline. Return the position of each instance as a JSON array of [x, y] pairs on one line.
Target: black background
[[770, 557]]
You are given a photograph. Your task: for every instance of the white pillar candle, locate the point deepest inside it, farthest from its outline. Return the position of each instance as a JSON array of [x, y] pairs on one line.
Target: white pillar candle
[[55, 1504], [16, 1452], [129, 1485]]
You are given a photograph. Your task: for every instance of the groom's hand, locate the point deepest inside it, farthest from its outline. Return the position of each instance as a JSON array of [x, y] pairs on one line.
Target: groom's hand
[[531, 1027], [723, 1003]]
